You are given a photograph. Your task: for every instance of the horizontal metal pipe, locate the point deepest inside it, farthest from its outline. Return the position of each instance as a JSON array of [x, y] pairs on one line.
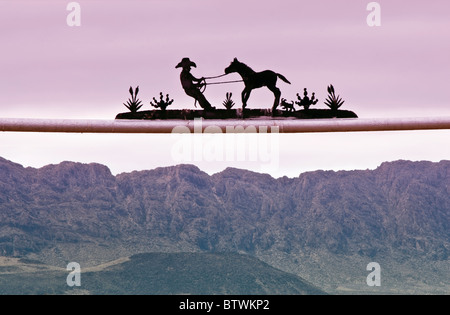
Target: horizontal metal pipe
[[224, 126]]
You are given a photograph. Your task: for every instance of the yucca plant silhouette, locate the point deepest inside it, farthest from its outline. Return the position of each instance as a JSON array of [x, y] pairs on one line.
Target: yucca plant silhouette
[[162, 103], [133, 104], [334, 102], [228, 103]]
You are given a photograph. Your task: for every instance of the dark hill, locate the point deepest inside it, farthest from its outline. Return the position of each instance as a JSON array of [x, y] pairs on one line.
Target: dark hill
[[195, 274], [158, 274]]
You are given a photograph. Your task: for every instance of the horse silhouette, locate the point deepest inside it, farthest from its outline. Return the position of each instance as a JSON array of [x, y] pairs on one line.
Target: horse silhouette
[[254, 80]]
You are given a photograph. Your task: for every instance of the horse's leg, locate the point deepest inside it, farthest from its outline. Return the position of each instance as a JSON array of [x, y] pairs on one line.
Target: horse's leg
[[276, 91], [245, 96]]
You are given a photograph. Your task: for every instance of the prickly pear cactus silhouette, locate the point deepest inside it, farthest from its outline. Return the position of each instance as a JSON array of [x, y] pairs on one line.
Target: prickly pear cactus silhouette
[[162, 103], [306, 102]]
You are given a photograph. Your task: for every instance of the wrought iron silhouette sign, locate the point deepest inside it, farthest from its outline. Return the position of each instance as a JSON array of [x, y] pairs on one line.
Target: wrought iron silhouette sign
[[195, 88]]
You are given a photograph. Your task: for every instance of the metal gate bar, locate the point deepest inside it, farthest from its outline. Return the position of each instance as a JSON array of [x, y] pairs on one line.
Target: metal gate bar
[[225, 126]]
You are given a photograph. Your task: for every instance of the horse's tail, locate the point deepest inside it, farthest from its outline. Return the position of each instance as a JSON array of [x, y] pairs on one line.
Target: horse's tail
[[283, 78]]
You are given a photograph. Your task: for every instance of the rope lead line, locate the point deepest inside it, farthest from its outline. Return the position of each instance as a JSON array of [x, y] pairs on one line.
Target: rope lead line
[[217, 77], [204, 84], [224, 82]]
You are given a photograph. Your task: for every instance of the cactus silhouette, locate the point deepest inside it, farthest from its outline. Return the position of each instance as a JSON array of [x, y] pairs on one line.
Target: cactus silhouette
[[162, 103], [306, 102]]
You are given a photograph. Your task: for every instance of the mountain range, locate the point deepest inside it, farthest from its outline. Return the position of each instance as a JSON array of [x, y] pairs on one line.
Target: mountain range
[[322, 226]]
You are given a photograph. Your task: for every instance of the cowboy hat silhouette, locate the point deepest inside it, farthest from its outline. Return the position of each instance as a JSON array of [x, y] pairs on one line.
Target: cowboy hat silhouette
[[186, 62]]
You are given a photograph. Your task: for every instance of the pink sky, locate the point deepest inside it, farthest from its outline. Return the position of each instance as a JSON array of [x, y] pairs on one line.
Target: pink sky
[[49, 69]]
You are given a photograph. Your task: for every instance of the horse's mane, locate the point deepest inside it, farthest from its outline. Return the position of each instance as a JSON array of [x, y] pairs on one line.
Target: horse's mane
[[245, 67]]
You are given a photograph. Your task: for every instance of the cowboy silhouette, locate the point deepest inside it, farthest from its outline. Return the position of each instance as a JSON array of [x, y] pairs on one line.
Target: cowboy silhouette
[[191, 84]]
